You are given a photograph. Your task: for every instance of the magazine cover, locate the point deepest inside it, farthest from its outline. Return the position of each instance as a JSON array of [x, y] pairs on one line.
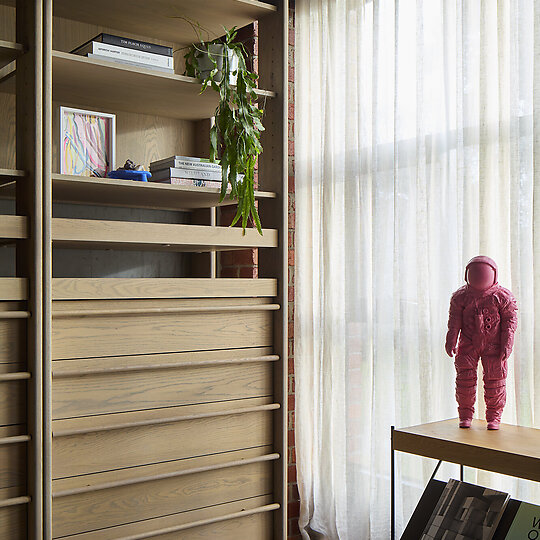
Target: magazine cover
[[465, 512], [526, 523]]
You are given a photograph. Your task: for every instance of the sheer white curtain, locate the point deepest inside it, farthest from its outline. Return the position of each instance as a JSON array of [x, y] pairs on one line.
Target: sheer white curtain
[[417, 126]]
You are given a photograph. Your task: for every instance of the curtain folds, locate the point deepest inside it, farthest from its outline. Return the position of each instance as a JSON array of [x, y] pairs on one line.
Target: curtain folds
[[417, 141]]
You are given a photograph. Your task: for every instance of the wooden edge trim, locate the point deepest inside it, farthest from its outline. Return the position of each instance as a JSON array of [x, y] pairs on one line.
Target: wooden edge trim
[[15, 501], [163, 476], [14, 439], [161, 288], [15, 376], [416, 444], [12, 172], [159, 311], [209, 521], [152, 367], [14, 314], [167, 420]]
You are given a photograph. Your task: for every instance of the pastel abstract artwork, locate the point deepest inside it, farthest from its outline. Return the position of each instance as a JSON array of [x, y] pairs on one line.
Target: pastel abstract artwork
[[87, 142]]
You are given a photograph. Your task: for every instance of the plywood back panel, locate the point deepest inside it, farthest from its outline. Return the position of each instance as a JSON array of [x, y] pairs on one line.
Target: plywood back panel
[[139, 445], [136, 390], [124, 504]]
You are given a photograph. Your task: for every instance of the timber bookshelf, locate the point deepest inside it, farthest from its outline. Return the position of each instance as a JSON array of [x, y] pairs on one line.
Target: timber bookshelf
[[145, 395]]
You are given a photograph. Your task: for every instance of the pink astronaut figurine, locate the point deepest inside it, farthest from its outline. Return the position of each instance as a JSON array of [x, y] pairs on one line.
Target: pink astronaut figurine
[[484, 316]]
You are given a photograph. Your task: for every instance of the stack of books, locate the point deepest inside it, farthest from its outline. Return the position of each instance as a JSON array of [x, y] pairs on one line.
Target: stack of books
[[128, 51], [186, 171]]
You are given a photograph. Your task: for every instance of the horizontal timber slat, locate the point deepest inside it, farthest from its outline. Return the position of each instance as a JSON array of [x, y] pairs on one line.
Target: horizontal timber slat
[[154, 362], [165, 420], [240, 522], [13, 289], [145, 334], [12, 402], [163, 476], [15, 439], [18, 376], [159, 311], [92, 233], [14, 501], [159, 526], [12, 341], [14, 314], [147, 444], [13, 522], [119, 505], [122, 288], [155, 469], [13, 227], [104, 393]]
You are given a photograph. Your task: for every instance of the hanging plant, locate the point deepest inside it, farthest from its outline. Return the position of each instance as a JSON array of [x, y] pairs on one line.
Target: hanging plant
[[235, 135]]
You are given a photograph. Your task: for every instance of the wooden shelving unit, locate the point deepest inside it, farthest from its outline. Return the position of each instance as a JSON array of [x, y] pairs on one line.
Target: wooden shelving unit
[[187, 374]]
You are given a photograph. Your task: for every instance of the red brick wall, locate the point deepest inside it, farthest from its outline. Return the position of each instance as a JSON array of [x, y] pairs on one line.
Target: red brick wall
[[293, 503], [244, 264]]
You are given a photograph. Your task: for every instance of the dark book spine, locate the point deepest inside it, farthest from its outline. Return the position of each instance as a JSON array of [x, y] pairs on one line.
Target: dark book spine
[[135, 44]]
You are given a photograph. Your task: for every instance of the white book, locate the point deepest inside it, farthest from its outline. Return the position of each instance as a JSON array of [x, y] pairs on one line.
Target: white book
[[173, 172], [129, 63], [192, 182], [115, 51], [186, 164]]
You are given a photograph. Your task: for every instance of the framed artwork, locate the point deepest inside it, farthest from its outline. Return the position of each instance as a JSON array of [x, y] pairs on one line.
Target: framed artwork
[[87, 142]]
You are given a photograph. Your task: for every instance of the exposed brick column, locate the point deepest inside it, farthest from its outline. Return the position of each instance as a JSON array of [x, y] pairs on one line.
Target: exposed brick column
[[293, 508]]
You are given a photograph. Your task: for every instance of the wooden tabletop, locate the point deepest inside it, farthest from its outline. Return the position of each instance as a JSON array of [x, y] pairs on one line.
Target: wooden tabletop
[[512, 450]]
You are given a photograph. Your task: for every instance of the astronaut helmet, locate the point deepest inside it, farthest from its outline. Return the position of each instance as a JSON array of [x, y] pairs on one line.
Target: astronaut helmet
[[481, 273]]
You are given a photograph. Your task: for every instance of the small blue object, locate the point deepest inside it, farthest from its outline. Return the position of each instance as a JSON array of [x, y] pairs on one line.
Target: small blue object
[[141, 176]]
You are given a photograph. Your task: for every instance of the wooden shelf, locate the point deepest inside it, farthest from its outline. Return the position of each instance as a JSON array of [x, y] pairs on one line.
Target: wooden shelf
[[97, 234], [111, 86], [114, 192], [138, 288], [7, 181], [512, 450], [13, 227], [9, 51], [13, 289], [156, 19], [129, 193]]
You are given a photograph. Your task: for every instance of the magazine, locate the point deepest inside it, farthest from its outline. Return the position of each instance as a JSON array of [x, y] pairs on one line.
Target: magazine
[[465, 512]]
